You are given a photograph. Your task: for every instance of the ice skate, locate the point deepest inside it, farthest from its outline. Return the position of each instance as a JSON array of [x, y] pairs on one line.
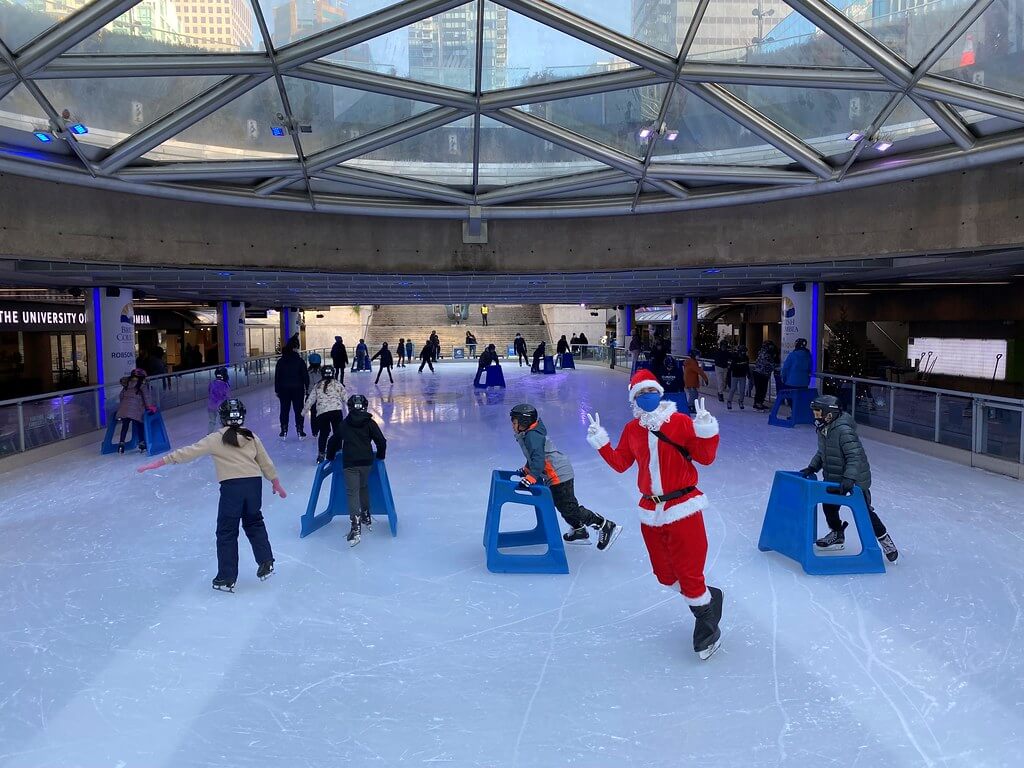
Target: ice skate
[[302, 435], [728, 406], [577, 536], [607, 533], [707, 636], [120, 447], [265, 570], [320, 457], [353, 536], [707, 653], [284, 433], [721, 397], [223, 585], [833, 541], [142, 447], [888, 548], [366, 520]]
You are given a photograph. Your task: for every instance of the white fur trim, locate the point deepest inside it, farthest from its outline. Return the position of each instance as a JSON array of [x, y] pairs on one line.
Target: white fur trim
[[656, 487], [649, 384], [702, 600], [706, 430], [653, 420], [661, 516]]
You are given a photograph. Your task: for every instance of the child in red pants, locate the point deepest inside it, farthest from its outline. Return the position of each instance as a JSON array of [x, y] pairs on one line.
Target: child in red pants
[[666, 445]]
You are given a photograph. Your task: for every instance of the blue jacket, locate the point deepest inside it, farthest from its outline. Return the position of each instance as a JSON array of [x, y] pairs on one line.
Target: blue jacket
[[796, 371]]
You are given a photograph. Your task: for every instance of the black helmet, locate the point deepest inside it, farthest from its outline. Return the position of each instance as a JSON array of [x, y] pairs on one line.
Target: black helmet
[[358, 403], [524, 415], [669, 362], [800, 344], [829, 407], [221, 373], [232, 413], [328, 372]]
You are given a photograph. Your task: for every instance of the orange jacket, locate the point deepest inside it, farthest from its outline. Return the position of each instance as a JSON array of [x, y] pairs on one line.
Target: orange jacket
[[693, 374]]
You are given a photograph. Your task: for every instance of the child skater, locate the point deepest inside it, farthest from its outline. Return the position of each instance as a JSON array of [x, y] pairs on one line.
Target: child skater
[[667, 446], [135, 399], [547, 465], [240, 459], [325, 399], [218, 391], [842, 459], [360, 442]]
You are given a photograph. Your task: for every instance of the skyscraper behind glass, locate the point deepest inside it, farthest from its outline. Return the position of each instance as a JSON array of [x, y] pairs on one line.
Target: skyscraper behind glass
[[442, 49]]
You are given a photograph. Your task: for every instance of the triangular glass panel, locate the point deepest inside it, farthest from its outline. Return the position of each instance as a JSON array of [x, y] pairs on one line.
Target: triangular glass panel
[[989, 54], [908, 29], [614, 119], [292, 20], [19, 110], [114, 108], [661, 24], [160, 26], [511, 156], [440, 50], [21, 21], [907, 120], [770, 34], [705, 136], [442, 155], [243, 129], [820, 117], [526, 52], [333, 114]]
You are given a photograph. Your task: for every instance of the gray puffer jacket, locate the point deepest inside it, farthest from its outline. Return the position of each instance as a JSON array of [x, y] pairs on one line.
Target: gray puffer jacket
[[544, 461], [840, 453]]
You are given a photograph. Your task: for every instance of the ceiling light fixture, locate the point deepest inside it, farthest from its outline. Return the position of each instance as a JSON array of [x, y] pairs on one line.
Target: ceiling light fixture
[[855, 136]]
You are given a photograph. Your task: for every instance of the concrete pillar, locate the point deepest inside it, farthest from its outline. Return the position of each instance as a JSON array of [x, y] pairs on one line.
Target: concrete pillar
[[803, 314], [684, 326], [289, 324], [621, 332], [110, 341], [231, 332]]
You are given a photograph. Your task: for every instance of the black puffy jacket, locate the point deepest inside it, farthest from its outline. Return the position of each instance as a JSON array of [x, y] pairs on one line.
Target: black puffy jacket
[[386, 358], [358, 437], [290, 373], [840, 453]]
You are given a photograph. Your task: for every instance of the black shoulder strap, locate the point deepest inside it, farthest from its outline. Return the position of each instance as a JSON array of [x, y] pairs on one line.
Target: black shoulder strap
[[665, 438]]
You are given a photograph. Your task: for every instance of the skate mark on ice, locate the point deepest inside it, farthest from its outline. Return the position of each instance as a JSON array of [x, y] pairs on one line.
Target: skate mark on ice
[[781, 740]]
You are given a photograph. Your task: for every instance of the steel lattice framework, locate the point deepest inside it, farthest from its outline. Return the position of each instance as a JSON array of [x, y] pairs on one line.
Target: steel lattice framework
[[645, 182]]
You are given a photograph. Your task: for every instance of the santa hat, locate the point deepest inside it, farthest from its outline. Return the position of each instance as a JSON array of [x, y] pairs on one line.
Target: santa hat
[[643, 379]]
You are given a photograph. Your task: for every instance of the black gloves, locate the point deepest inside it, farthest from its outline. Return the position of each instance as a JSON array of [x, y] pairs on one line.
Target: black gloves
[[846, 486], [808, 474]]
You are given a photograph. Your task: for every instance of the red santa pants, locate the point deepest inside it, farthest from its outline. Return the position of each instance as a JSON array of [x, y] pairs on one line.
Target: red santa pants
[[678, 552]]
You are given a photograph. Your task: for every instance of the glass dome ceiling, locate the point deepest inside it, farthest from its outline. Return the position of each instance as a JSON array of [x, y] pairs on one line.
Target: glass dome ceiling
[[504, 109]]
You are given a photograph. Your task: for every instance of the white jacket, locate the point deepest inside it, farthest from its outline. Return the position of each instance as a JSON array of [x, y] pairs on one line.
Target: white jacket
[[331, 400]]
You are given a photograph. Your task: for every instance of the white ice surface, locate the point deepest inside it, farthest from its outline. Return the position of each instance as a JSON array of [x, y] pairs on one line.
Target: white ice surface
[[116, 652]]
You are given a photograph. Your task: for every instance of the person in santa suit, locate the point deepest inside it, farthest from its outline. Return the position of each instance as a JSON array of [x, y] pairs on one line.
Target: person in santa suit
[[667, 446]]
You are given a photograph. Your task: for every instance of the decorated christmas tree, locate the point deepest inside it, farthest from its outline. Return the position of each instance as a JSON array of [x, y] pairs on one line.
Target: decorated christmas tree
[[843, 355]]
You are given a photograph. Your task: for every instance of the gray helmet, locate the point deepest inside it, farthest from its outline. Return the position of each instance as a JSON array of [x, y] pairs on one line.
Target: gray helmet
[[829, 406], [524, 415]]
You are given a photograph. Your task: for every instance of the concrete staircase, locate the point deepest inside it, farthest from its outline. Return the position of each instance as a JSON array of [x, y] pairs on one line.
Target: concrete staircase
[[389, 323]]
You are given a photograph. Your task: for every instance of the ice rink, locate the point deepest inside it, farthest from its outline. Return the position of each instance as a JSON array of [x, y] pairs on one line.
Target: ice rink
[[116, 652]]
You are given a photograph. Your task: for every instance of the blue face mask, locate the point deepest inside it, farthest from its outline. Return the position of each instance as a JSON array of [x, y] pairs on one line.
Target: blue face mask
[[648, 401]]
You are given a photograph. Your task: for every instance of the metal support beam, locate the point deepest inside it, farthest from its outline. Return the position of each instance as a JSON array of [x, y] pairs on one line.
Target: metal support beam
[[386, 183], [172, 124], [719, 98], [790, 77], [369, 142], [231, 169], [361, 30], [729, 174], [571, 88], [69, 33], [594, 34], [971, 97], [570, 140], [671, 187], [347, 77], [155, 65], [964, 23], [547, 187], [478, 89], [948, 120], [861, 44]]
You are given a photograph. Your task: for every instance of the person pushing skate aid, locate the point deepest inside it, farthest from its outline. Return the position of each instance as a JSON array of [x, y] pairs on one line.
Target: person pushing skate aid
[[667, 446]]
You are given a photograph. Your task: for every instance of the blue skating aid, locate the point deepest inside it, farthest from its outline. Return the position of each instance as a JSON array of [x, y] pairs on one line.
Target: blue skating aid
[[109, 446], [567, 361], [801, 398], [381, 500], [504, 490], [679, 398], [790, 526], [549, 364], [156, 433], [493, 377]]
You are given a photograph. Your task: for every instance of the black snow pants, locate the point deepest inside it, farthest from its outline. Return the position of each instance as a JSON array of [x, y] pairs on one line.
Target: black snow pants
[[240, 501]]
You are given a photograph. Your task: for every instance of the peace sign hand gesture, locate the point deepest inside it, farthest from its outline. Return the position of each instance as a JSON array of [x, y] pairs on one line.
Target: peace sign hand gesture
[[597, 435]]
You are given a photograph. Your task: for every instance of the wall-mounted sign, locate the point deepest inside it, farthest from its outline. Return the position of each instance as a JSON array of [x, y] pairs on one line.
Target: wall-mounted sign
[[48, 317]]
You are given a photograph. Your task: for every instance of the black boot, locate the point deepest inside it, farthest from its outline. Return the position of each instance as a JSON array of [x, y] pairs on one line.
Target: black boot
[[706, 634], [353, 534]]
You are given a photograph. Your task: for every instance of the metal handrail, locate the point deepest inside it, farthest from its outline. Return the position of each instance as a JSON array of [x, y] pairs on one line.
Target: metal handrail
[[920, 388]]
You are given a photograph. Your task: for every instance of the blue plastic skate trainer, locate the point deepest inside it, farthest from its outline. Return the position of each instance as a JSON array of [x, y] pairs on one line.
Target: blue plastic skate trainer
[[381, 500], [790, 526], [800, 399], [153, 429], [493, 377], [505, 490], [567, 361], [549, 364]]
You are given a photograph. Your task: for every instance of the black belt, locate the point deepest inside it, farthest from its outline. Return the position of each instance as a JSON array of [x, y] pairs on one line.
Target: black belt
[[670, 496]]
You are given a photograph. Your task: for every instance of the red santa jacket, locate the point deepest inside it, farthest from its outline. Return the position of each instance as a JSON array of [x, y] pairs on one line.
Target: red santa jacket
[[663, 468]]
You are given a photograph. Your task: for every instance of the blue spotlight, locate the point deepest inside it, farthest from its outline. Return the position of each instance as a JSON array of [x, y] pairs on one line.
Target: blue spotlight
[[277, 130], [43, 136], [78, 129]]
